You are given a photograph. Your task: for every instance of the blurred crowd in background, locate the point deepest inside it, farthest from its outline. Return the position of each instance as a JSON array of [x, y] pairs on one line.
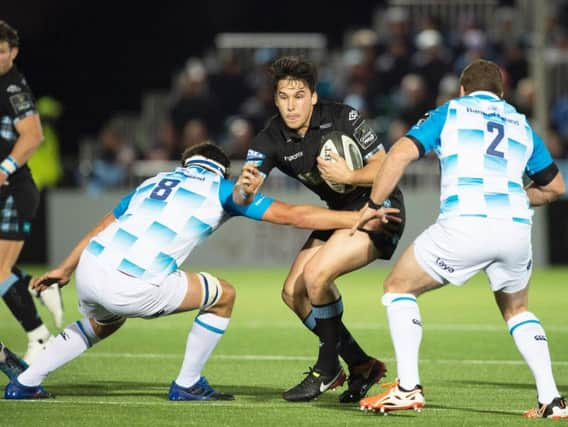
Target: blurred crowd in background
[[392, 73]]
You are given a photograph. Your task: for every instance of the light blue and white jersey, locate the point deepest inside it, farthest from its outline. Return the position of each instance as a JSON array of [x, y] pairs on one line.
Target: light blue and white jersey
[[484, 146], [160, 222]]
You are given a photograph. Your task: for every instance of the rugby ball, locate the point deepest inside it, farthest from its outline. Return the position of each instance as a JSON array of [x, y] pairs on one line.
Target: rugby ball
[[343, 145]]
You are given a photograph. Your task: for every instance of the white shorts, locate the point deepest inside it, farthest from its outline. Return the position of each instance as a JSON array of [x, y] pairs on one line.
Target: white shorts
[[455, 249], [106, 294]]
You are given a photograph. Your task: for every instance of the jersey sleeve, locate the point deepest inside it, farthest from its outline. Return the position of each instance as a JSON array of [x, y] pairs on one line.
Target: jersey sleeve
[[261, 153], [362, 133], [119, 210], [20, 100], [426, 132], [254, 210], [540, 166]]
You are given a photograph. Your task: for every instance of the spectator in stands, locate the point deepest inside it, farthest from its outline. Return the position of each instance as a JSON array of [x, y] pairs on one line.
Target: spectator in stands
[[194, 132], [195, 99], [413, 99], [240, 135], [432, 60], [115, 154], [166, 146]]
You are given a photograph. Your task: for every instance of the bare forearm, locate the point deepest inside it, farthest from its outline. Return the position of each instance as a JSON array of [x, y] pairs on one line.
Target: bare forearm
[[70, 263], [24, 148], [30, 137], [314, 218], [364, 177], [539, 197]]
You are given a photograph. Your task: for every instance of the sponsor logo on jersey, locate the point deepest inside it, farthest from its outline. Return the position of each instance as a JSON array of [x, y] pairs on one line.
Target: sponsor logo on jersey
[[21, 102], [539, 338], [294, 156], [353, 114], [422, 119], [365, 135], [444, 265], [13, 88]]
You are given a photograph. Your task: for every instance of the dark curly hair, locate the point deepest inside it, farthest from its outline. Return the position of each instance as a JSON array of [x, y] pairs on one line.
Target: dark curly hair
[[294, 68], [8, 34]]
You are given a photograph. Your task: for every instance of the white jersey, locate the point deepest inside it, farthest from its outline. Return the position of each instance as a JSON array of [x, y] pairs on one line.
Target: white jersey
[[484, 146], [158, 224]]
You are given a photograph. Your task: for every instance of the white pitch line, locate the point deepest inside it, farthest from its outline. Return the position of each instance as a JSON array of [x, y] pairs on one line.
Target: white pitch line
[[380, 326], [283, 358]]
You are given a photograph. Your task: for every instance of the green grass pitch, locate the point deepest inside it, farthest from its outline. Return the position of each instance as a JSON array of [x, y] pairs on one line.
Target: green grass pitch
[[470, 369]]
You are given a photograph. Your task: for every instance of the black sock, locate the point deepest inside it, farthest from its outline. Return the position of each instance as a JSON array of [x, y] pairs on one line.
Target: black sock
[[328, 332], [328, 326], [20, 302], [349, 349]]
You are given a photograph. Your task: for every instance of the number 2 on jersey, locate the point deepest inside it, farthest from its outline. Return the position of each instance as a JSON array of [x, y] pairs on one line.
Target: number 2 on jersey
[[163, 189], [492, 149]]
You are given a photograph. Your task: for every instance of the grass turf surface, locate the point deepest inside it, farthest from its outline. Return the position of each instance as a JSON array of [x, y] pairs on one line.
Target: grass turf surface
[[470, 369]]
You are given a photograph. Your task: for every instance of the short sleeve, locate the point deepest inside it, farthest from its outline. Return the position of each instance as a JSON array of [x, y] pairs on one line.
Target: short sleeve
[[122, 206], [426, 132], [540, 158]]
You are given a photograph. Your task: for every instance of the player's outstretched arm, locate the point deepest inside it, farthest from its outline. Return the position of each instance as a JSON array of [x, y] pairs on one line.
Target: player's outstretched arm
[[315, 217], [62, 274], [542, 194]]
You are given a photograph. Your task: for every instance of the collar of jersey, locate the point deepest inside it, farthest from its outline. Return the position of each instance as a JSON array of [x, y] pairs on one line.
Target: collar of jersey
[[206, 163], [484, 94]]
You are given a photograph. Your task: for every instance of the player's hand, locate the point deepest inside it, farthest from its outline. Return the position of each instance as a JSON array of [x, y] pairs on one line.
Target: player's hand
[[384, 216], [334, 170], [58, 275], [3, 179], [250, 179]]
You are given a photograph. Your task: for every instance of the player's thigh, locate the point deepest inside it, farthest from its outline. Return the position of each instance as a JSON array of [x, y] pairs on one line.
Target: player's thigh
[[454, 250], [341, 254], [409, 277], [294, 284]]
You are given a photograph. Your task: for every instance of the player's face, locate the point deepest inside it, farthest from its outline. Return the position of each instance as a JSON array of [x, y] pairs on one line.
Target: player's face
[[295, 102], [7, 56]]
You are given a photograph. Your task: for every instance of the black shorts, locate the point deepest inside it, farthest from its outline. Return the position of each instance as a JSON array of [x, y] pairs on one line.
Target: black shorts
[[18, 205], [385, 242]]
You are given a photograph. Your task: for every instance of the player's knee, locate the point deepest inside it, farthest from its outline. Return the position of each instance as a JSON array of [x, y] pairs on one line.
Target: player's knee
[[218, 296], [229, 293], [104, 330], [317, 276]]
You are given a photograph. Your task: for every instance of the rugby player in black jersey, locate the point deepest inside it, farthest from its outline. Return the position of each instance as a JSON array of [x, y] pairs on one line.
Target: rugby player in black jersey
[[291, 142], [20, 135]]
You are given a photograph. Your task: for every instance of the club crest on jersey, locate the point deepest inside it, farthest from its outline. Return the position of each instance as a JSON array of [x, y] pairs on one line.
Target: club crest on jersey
[[364, 135], [21, 102], [353, 114]]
